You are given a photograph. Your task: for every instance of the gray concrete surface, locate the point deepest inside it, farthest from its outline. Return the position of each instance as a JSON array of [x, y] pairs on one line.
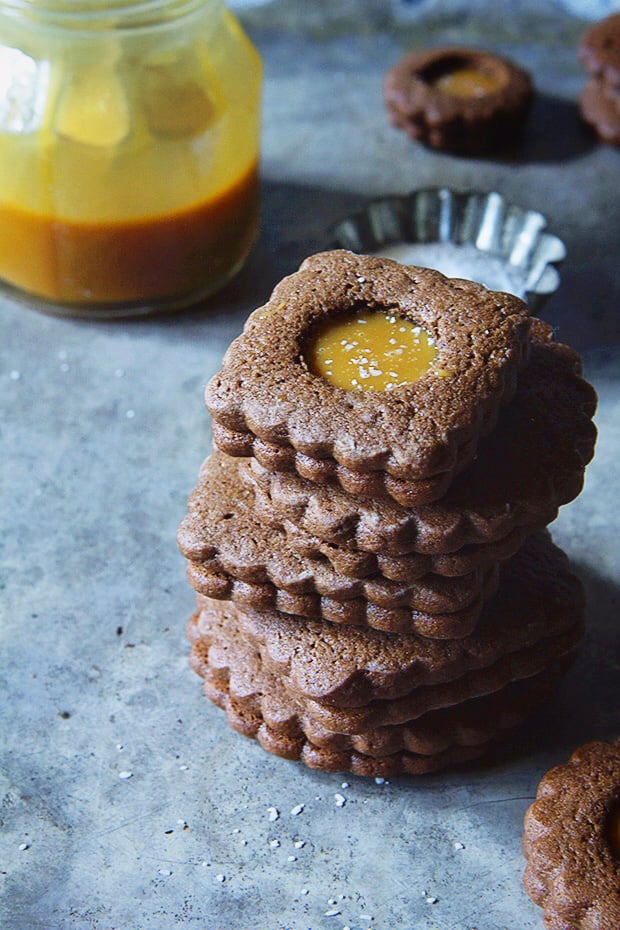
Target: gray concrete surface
[[103, 430]]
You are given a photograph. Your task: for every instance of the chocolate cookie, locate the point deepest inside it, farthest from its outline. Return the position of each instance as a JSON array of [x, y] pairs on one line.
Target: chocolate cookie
[[438, 740], [409, 567], [599, 50], [599, 105], [539, 597], [572, 841], [532, 462], [257, 704], [239, 558], [399, 763], [460, 100], [407, 442], [216, 630]]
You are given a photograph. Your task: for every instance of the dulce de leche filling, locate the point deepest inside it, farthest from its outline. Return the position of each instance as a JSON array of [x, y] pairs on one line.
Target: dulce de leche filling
[[371, 350], [467, 82]]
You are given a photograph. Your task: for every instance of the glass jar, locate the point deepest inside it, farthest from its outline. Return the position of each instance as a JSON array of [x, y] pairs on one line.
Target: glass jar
[[129, 134]]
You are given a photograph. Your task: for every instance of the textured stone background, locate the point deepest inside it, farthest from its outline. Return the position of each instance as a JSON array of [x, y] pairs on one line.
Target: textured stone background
[[103, 430]]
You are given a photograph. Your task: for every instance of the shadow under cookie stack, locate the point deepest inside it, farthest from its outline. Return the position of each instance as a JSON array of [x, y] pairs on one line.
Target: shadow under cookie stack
[[377, 592]]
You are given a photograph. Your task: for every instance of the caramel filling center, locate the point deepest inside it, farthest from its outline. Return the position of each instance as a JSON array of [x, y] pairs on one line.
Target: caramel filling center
[[371, 351], [467, 82]]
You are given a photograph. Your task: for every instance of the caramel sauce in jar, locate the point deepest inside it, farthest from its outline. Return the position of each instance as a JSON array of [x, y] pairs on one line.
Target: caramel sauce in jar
[[129, 154]]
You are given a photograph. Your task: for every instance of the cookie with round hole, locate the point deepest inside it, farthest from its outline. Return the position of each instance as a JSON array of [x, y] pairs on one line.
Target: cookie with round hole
[[464, 101], [461, 344], [571, 841], [532, 463]]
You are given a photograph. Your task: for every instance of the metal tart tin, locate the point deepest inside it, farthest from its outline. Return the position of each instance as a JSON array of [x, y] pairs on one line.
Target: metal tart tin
[[473, 234]]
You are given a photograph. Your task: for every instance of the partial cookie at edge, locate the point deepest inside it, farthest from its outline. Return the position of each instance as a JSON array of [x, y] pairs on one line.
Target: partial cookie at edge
[[573, 869]]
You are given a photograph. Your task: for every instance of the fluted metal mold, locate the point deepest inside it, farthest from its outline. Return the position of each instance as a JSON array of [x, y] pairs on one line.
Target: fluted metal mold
[[483, 219]]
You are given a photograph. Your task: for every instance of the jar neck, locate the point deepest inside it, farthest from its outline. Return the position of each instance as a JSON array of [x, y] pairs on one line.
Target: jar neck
[[108, 15]]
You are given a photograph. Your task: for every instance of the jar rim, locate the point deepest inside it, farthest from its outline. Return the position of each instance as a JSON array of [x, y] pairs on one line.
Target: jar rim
[[114, 15]]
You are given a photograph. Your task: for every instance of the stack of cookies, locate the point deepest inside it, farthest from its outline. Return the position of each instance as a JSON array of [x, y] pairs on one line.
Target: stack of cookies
[[599, 52], [377, 592]]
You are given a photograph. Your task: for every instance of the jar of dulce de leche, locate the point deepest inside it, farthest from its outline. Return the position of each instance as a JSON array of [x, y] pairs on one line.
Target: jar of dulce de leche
[[129, 134]]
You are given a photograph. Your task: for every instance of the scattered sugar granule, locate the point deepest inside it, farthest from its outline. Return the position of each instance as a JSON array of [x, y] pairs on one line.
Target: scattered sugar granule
[[380, 781], [334, 912], [124, 775], [119, 746], [183, 768], [431, 899], [273, 813], [345, 784], [305, 891], [165, 872], [275, 844], [299, 844], [297, 809], [340, 800], [220, 878], [292, 858], [458, 845], [23, 847]]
